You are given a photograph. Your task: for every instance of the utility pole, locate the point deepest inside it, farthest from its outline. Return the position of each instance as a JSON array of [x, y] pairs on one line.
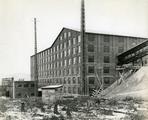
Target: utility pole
[[84, 89], [35, 60]]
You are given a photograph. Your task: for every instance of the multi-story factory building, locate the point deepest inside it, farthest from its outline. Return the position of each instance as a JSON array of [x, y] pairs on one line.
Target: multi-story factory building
[[61, 63]]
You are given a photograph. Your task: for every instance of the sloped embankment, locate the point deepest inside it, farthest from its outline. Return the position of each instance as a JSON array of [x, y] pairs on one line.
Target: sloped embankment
[[135, 86]]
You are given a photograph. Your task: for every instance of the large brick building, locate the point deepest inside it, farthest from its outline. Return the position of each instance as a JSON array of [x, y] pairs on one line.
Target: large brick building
[[61, 63]]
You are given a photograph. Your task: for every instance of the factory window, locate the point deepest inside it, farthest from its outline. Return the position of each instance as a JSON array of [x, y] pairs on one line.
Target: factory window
[[26, 85], [69, 42], [60, 46], [74, 80], [57, 47], [32, 94], [90, 48], [69, 34], [61, 38], [106, 70], [106, 49], [74, 41], [74, 90], [74, 60], [91, 80], [79, 38], [65, 45], [69, 82], [74, 50], [65, 35], [69, 61], [68, 51], [64, 80], [91, 37], [32, 85], [19, 85], [106, 38], [120, 49], [106, 59], [121, 40], [69, 89], [91, 58], [106, 80], [91, 69]]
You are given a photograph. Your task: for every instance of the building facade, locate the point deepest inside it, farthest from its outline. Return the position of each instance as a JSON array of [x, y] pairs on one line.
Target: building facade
[[61, 63], [17, 89], [24, 89], [7, 84]]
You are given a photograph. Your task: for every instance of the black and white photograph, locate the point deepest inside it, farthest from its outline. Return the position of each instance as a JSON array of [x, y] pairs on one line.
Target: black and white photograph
[[73, 59]]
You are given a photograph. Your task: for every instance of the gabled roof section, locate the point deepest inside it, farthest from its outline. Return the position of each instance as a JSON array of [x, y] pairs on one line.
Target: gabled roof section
[[64, 28]]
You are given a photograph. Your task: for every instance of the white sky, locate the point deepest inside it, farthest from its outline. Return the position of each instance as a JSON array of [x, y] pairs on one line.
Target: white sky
[[123, 17]]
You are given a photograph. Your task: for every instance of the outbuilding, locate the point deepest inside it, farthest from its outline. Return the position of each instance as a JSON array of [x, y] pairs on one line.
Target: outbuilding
[[51, 93]]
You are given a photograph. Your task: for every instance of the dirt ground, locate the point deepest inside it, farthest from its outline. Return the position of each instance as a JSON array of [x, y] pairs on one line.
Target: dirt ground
[[75, 109]]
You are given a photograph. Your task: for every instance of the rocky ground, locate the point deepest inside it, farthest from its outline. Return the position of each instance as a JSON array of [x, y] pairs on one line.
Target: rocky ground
[[75, 109]]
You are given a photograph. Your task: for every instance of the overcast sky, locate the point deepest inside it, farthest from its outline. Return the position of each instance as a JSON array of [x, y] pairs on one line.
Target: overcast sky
[[122, 17]]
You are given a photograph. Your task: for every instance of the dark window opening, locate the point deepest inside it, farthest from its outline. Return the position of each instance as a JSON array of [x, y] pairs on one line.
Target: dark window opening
[[91, 69], [106, 38], [106, 70], [90, 58], [106, 59], [26, 85], [19, 85], [106, 49], [91, 80], [91, 38], [74, 80], [32, 85], [90, 48]]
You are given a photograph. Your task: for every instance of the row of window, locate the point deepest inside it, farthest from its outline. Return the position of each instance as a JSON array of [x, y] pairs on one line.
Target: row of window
[[92, 80], [91, 69], [61, 46], [26, 85], [25, 95], [70, 71], [60, 72], [72, 90], [68, 80], [60, 55], [59, 64], [106, 48]]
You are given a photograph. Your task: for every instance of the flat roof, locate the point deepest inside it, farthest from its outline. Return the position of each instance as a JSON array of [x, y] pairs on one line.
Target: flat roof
[[51, 86]]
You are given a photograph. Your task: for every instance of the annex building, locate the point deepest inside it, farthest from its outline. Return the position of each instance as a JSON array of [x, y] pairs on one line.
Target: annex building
[[61, 63]]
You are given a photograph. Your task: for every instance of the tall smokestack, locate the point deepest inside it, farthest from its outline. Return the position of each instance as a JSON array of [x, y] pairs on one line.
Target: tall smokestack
[[35, 60], [84, 89]]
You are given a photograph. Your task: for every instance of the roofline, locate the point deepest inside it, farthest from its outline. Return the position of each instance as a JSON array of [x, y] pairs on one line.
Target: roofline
[[86, 33]]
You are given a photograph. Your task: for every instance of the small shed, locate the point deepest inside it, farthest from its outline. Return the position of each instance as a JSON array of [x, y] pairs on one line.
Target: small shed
[[51, 93]]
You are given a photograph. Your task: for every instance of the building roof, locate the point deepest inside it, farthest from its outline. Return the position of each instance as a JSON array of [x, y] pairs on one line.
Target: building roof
[[87, 32], [52, 86]]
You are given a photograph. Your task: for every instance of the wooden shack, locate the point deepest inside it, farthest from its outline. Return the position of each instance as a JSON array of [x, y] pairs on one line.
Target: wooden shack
[[51, 93]]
